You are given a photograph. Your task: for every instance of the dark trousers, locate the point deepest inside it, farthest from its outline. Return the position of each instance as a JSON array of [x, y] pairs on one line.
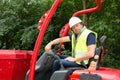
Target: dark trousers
[[66, 64]]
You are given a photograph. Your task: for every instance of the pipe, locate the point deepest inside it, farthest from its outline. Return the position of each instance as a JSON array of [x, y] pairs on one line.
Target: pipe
[[65, 28], [99, 4], [40, 37]]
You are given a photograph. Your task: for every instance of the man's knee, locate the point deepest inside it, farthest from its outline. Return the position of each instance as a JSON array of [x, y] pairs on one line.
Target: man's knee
[[56, 65], [56, 62]]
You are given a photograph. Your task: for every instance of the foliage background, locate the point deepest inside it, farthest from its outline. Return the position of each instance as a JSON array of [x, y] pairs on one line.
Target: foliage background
[[19, 18]]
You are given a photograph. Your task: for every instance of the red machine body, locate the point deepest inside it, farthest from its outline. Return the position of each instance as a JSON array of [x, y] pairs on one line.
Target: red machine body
[[14, 64], [104, 73]]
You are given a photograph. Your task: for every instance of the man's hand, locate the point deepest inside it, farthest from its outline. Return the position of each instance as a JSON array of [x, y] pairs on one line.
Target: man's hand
[[71, 59], [48, 47]]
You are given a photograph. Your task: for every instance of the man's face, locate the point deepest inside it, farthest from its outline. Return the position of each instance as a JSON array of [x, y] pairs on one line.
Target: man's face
[[76, 28]]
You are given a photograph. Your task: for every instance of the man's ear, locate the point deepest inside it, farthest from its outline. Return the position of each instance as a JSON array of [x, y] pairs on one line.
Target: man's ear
[[82, 23]]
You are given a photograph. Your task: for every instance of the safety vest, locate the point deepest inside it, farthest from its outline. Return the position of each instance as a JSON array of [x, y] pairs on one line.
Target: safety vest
[[79, 46]]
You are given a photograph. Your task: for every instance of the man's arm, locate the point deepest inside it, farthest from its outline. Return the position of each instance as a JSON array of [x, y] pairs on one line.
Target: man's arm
[[88, 55], [56, 41]]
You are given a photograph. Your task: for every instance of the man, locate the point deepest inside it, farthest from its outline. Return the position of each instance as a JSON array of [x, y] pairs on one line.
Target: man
[[83, 45]]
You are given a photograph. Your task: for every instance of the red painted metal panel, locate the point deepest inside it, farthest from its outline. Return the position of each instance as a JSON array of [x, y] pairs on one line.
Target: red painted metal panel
[[14, 64], [76, 74], [105, 73]]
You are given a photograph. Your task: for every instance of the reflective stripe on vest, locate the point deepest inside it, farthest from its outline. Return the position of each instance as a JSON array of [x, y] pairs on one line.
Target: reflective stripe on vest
[[79, 47]]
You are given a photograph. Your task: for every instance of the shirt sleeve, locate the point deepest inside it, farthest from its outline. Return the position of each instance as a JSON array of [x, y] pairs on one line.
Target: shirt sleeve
[[91, 39]]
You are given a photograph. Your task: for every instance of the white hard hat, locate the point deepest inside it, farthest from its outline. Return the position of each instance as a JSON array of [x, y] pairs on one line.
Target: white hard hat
[[73, 21]]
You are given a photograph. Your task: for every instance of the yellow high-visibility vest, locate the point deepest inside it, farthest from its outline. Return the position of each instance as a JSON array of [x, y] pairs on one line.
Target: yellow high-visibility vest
[[79, 46]]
